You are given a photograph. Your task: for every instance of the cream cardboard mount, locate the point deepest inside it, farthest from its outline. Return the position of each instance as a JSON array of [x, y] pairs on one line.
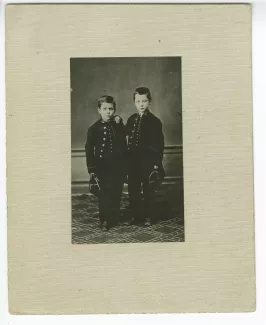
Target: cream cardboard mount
[[214, 269]]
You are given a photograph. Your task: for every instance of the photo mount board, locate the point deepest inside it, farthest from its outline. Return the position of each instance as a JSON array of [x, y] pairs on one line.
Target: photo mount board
[[214, 269]]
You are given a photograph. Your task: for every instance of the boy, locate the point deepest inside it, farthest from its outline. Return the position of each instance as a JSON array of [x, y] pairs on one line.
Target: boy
[[105, 156], [145, 154]]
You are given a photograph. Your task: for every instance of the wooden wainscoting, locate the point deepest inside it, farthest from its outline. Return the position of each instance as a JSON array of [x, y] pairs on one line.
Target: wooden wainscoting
[[173, 164]]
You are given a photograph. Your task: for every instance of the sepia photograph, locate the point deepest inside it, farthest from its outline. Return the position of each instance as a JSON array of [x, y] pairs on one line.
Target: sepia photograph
[[129, 153], [126, 150]]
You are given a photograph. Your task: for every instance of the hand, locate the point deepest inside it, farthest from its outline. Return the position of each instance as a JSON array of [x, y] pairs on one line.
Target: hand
[[91, 175], [117, 119], [156, 167]]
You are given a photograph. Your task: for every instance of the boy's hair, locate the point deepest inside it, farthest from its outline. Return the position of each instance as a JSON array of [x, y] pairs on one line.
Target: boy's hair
[[142, 91], [106, 99]]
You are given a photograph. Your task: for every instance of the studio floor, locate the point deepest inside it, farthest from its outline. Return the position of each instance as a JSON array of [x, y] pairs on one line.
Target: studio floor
[[168, 227]]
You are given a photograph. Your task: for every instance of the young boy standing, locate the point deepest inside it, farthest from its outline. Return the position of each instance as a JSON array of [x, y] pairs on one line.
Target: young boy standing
[[145, 154], [105, 156]]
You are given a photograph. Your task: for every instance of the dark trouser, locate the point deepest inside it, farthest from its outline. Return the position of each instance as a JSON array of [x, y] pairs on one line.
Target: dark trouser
[[111, 185], [138, 180]]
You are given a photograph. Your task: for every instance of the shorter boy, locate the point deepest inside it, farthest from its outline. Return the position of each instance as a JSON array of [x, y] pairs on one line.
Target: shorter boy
[[145, 154], [105, 156]]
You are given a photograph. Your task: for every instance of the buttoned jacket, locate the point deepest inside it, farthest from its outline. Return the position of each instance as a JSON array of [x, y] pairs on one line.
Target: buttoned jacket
[[106, 144], [145, 139]]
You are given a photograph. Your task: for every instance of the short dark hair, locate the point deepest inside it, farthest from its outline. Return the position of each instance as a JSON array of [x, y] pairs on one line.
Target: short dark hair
[[106, 99], [142, 91]]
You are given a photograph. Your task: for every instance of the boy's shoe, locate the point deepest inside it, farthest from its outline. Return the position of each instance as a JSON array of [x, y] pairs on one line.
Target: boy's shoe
[[148, 222], [123, 223], [104, 226], [136, 221], [133, 221]]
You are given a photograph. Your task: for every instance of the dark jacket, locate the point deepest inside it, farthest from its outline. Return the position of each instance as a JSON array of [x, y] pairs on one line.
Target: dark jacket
[[145, 140], [105, 146]]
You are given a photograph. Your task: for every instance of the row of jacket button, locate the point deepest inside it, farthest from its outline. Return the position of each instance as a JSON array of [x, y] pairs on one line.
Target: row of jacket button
[[107, 139], [134, 138]]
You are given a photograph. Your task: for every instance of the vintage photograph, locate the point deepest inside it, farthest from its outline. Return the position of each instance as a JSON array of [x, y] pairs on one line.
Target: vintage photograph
[[126, 150]]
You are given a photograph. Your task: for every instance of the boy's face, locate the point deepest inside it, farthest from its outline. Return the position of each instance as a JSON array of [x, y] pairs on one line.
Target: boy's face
[[142, 103], [106, 111]]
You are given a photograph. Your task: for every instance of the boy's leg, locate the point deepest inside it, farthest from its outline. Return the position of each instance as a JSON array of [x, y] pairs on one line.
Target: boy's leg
[[117, 194], [111, 215], [105, 199], [149, 202], [111, 190], [134, 190], [102, 203]]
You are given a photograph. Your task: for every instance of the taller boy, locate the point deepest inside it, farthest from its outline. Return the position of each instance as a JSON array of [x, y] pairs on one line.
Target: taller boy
[[145, 153]]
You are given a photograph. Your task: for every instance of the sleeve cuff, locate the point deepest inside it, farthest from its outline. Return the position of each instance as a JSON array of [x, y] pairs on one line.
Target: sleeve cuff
[[91, 169]]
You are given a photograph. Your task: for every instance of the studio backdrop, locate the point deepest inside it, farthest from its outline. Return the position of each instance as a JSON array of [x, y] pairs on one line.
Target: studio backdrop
[[119, 77]]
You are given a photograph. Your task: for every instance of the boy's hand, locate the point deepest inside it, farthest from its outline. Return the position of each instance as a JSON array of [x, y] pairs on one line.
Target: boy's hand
[[90, 176], [117, 119]]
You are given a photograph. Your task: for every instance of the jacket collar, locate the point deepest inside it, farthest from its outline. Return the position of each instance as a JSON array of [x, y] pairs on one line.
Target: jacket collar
[[105, 122], [147, 112]]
